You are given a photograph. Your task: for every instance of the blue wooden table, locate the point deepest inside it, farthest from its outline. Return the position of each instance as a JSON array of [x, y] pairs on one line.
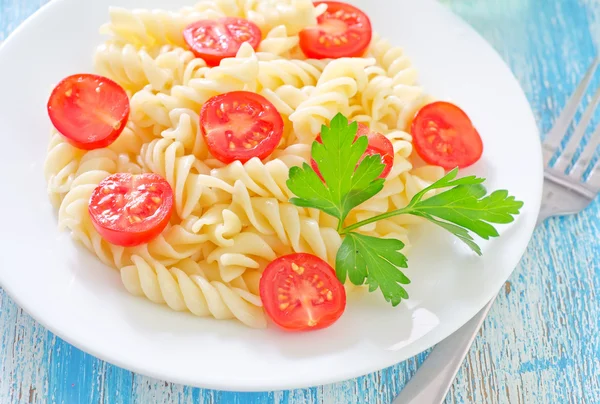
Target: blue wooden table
[[541, 343]]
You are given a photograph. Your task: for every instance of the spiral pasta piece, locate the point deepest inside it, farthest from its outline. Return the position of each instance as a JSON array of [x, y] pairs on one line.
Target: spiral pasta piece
[[187, 289], [152, 28], [248, 250], [60, 167], [378, 100], [278, 42], [341, 80], [185, 128], [261, 179], [286, 221], [130, 141], [220, 224], [192, 187], [286, 99], [393, 60], [134, 69], [275, 73]]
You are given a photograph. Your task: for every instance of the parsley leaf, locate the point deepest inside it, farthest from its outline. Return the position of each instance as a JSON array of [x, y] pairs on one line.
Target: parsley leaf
[[345, 185], [376, 262], [464, 206]]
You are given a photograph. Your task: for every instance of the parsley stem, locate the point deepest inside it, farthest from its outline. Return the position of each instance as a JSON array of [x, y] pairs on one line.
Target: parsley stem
[[407, 210]]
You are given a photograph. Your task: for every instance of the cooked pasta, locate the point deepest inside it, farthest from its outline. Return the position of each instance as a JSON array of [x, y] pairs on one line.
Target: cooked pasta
[[341, 80], [134, 69], [231, 219]]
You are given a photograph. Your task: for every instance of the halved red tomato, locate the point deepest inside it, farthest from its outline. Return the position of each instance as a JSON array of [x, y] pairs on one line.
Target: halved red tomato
[[444, 135], [214, 40], [240, 125], [378, 144], [129, 210], [300, 292], [342, 31], [90, 111]]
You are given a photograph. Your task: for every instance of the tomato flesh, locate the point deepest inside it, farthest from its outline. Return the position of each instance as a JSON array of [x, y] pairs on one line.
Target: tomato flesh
[[444, 135], [378, 144], [300, 292], [240, 125], [90, 111], [342, 31], [129, 210], [214, 40]]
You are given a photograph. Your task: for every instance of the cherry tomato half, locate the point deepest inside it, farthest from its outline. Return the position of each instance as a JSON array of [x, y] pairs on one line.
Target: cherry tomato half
[[378, 144], [90, 111], [129, 210], [214, 40], [342, 31], [240, 125], [444, 135], [300, 292]]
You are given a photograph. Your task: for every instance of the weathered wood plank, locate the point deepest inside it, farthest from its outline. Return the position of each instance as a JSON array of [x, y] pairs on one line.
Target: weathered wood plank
[[541, 343]]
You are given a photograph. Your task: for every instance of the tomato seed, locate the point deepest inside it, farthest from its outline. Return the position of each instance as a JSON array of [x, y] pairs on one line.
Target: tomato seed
[[297, 269]]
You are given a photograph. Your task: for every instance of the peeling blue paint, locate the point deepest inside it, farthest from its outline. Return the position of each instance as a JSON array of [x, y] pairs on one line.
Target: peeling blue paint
[[538, 365]]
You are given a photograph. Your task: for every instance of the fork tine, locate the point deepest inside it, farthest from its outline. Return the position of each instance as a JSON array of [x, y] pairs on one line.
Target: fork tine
[[593, 181], [566, 156], [586, 155], [558, 131]]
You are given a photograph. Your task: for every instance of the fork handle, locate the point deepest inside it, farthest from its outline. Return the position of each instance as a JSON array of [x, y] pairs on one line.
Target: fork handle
[[433, 380]]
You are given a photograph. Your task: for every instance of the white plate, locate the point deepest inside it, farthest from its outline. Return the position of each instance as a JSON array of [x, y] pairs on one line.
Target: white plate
[[69, 291]]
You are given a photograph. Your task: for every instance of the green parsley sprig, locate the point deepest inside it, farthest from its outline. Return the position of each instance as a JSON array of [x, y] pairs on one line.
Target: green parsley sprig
[[461, 206]]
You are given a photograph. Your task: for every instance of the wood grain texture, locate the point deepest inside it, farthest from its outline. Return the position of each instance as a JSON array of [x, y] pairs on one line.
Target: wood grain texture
[[541, 342]]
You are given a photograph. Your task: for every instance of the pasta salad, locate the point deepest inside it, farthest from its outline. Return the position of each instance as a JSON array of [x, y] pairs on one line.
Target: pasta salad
[[259, 159]]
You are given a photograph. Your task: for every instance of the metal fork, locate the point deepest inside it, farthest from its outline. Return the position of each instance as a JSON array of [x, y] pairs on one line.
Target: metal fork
[[565, 193]]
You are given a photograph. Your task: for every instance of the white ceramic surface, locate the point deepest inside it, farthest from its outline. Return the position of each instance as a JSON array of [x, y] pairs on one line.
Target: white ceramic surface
[[69, 291]]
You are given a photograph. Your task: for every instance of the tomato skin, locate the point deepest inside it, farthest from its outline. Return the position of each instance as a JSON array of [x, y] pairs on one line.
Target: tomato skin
[[342, 31], [228, 32], [124, 210], [300, 292], [240, 125], [88, 110], [378, 144], [444, 135]]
